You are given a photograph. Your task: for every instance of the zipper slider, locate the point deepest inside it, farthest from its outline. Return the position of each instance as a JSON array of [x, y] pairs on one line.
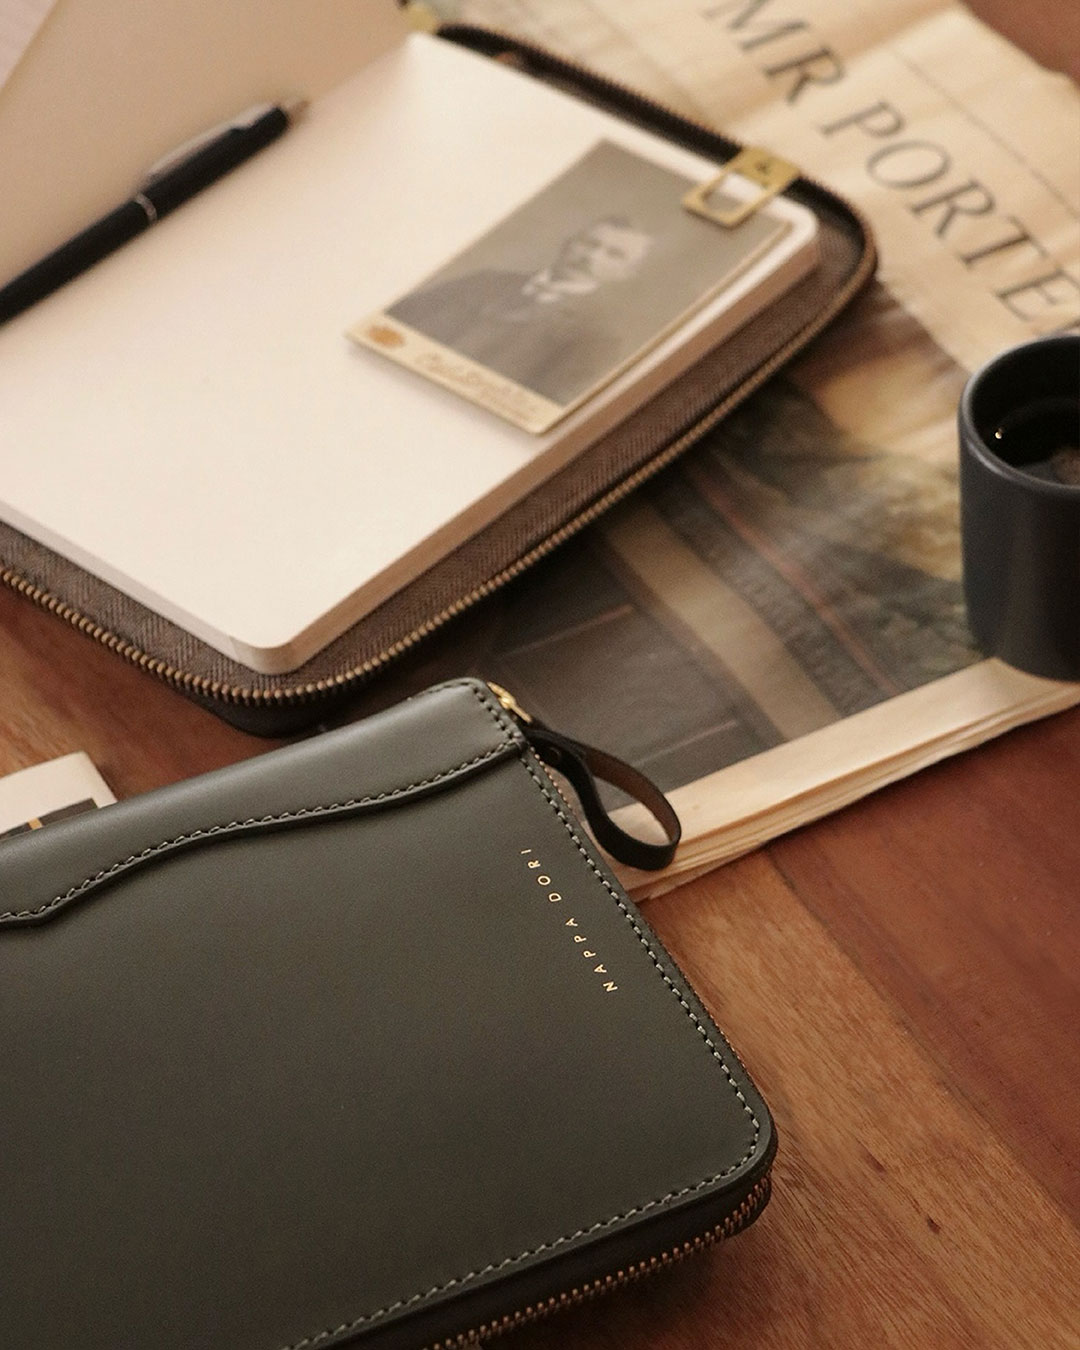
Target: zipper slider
[[581, 765], [509, 702]]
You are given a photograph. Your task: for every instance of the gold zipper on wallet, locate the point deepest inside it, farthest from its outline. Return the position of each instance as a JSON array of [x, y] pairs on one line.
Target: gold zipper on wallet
[[737, 1220]]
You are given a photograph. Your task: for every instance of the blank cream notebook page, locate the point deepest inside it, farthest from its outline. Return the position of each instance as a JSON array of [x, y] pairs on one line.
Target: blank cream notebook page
[[188, 420]]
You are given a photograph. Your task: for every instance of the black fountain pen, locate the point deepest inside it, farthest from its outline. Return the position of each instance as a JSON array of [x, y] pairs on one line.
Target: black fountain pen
[[180, 175]]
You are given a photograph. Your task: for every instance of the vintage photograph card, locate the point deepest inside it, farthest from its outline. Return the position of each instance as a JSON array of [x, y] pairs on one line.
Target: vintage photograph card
[[568, 290]]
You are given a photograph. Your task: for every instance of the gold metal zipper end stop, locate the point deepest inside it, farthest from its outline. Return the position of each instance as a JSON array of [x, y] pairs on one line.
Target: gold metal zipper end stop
[[509, 702]]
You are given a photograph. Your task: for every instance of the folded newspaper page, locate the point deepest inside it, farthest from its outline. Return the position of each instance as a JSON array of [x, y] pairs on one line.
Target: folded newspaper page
[[775, 626]]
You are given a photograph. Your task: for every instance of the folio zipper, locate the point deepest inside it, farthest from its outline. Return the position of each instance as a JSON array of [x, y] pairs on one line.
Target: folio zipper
[[338, 685]]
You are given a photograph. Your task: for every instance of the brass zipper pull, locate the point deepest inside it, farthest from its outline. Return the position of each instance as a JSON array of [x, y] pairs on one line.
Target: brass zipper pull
[[581, 765], [509, 702]]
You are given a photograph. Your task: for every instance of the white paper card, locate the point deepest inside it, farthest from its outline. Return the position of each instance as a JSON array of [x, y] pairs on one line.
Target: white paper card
[[35, 797]]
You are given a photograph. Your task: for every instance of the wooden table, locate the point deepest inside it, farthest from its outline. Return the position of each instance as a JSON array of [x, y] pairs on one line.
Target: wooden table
[[902, 979]]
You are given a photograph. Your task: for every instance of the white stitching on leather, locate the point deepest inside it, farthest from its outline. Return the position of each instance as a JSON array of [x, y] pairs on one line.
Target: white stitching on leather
[[307, 1342], [400, 1303], [643, 939], [511, 737], [328, 808]]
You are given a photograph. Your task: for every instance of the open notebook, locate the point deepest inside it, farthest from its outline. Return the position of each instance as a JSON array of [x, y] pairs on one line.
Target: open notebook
[[190, 421]]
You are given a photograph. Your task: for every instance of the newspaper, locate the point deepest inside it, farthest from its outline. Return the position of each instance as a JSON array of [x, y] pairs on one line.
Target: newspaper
[[775, 626]]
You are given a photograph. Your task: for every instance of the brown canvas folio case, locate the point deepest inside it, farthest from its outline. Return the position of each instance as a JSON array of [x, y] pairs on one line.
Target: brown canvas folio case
[[612, 467], [357, 1042]]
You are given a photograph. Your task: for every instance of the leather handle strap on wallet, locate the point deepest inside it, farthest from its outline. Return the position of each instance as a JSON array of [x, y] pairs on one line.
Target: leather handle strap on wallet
[[582, 765]]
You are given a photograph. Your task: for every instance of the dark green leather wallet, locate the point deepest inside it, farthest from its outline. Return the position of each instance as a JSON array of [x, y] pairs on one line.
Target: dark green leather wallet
[[357, 1042]]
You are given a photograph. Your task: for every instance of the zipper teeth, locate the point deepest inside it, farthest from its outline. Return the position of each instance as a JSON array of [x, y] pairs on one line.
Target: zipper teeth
[[752, 1203], [223, 692]]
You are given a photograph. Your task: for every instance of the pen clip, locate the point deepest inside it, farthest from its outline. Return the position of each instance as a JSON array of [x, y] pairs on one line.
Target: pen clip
[[174, 158]]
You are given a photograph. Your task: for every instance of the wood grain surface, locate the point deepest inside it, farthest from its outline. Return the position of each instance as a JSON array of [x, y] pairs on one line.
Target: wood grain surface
[[902, 980], [1048, 30]]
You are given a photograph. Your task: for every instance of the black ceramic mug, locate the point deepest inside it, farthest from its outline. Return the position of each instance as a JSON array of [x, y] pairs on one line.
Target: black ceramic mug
[[1020, 506]]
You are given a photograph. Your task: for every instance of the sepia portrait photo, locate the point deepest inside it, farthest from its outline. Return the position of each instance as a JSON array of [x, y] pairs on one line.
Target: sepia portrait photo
[[568, 290]]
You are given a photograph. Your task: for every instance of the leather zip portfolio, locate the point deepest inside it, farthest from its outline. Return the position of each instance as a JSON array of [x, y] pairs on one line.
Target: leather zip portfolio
[[203, 472], [358, 1042]]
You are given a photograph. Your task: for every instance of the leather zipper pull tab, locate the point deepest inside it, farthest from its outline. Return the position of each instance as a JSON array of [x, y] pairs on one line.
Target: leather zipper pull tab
[[582, 765]]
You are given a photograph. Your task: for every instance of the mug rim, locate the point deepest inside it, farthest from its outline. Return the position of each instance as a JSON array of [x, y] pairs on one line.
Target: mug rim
[[972, 441]]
